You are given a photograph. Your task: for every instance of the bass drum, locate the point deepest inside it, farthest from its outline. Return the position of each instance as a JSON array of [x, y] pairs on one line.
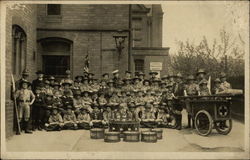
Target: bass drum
[[150, 137], [97, 133], [158, 132], [131, 136], [112, 137]]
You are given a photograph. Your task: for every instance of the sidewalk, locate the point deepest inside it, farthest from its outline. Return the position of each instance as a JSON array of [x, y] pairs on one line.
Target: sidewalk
[[173, 140]]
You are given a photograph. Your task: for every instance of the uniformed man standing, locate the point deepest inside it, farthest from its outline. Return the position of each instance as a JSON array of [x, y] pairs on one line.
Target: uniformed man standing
[[152, 75], [25, 75], [192, 89], [39, 82], [25, 98]]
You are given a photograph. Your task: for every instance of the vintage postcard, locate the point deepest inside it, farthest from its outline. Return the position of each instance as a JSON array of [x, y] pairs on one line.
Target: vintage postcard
[[124, 79]]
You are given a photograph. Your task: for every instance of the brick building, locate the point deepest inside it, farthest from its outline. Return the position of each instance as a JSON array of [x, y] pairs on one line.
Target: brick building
[[57, 37]]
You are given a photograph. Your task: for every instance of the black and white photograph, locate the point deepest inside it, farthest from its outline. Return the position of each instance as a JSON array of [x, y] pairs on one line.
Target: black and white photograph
[[124, 79]]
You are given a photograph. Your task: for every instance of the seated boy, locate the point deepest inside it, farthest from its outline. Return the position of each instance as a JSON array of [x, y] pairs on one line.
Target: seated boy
[[55, 121], [97, 118], [148, 117], [162, 117], [83, 119], [69, 119]]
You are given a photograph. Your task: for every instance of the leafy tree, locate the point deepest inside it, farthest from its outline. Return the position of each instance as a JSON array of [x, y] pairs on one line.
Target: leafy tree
[[224, 55]]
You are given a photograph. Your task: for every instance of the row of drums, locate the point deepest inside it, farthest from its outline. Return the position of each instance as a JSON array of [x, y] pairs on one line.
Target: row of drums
[[150, 136]]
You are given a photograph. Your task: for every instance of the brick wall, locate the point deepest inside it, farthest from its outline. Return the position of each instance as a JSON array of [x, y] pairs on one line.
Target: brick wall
[[86, 16], [103, 56], [152, 54], [26, 19], [88, 26]]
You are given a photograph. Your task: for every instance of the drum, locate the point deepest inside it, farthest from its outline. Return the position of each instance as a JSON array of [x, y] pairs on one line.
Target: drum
[[158, 132], [131, 136], [112, 137], [150, 137], [97, 133]]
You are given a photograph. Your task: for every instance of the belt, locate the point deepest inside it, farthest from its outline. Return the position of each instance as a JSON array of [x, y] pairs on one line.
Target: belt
[[24, 101]]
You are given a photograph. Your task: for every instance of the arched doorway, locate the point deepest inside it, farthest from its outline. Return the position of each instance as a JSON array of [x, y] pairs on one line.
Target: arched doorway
[[56, 55]]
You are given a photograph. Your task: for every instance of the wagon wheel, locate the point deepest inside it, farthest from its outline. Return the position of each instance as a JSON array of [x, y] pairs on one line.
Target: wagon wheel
[[220, 126], [203, 123]]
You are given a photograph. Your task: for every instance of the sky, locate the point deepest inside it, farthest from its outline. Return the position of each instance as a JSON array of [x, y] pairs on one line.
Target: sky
[[192, 20]]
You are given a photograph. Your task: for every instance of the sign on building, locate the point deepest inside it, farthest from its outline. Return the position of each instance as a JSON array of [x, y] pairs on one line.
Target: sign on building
[[157, 67]]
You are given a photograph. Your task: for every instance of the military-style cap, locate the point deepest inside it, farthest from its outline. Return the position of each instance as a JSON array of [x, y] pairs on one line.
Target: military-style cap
[[84, 109], [128, 93], [115, 71], [153, 72], [156, 80], [66, 92], [164, 77], [201, 71], [46, 82], [179, 75], [67, 72], [162, 83], [91, 74], [223, 75], [136, 78], [190, 77], [39, 72], [56, 84], [69, 107], [104, 74], [169, 85], [67, 82], [141, 74], [110, 81], [128, 72], [54, 108], [217, 80], [25, 72], [51, 78]]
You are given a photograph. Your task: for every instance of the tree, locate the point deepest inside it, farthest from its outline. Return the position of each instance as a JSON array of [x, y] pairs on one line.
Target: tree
[[223, 56]]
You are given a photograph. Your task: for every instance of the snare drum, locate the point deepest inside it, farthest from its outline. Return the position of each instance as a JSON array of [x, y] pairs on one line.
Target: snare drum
[[148, 136], [158, 132], [131, 136], [112, 137], [97, 133]]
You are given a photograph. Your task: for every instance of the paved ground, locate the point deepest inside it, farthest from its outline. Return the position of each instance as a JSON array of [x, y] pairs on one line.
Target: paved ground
[[173, 140]]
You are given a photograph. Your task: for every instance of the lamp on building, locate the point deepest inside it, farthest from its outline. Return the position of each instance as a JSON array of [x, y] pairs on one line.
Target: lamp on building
[[119, 42]]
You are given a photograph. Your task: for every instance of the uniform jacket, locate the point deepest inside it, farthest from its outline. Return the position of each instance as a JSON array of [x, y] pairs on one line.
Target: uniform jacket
[[69, 117], [55, 118], [84, 117]]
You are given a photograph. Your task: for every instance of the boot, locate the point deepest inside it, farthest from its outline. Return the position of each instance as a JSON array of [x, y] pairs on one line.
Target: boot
[[26, 126], [189, 121]]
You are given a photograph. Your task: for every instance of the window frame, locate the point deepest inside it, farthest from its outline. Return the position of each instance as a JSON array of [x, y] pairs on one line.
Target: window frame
[[141, 63], [53, 15]]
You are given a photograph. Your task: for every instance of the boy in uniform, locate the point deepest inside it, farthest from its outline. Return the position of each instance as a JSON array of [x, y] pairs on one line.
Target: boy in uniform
[[83, 119], [97, 118], [224, 84], [216, 89], [55, 121], [37, 108], [25, 99], [148, 117], [203, 89], [69, 119], [87, 101], [39, 82]]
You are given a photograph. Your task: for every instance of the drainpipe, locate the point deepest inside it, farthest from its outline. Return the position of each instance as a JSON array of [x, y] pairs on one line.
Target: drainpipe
[[130, 37]]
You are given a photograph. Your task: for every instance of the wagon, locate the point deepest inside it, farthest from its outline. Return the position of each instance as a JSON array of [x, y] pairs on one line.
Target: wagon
[[209, 112]]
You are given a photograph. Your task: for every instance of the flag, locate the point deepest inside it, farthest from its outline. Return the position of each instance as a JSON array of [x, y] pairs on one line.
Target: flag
[[209, 84], [86, 64], [13, 83]]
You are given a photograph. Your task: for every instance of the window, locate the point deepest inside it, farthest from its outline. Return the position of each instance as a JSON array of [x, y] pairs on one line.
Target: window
[[19, 44], [56, 65], [53, 9], [139, 65]]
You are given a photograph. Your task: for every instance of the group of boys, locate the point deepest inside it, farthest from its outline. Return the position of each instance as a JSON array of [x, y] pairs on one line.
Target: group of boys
[[85, 102]]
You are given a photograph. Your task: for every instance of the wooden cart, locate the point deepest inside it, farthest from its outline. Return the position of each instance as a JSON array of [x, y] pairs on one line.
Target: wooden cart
[[209, 112]]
